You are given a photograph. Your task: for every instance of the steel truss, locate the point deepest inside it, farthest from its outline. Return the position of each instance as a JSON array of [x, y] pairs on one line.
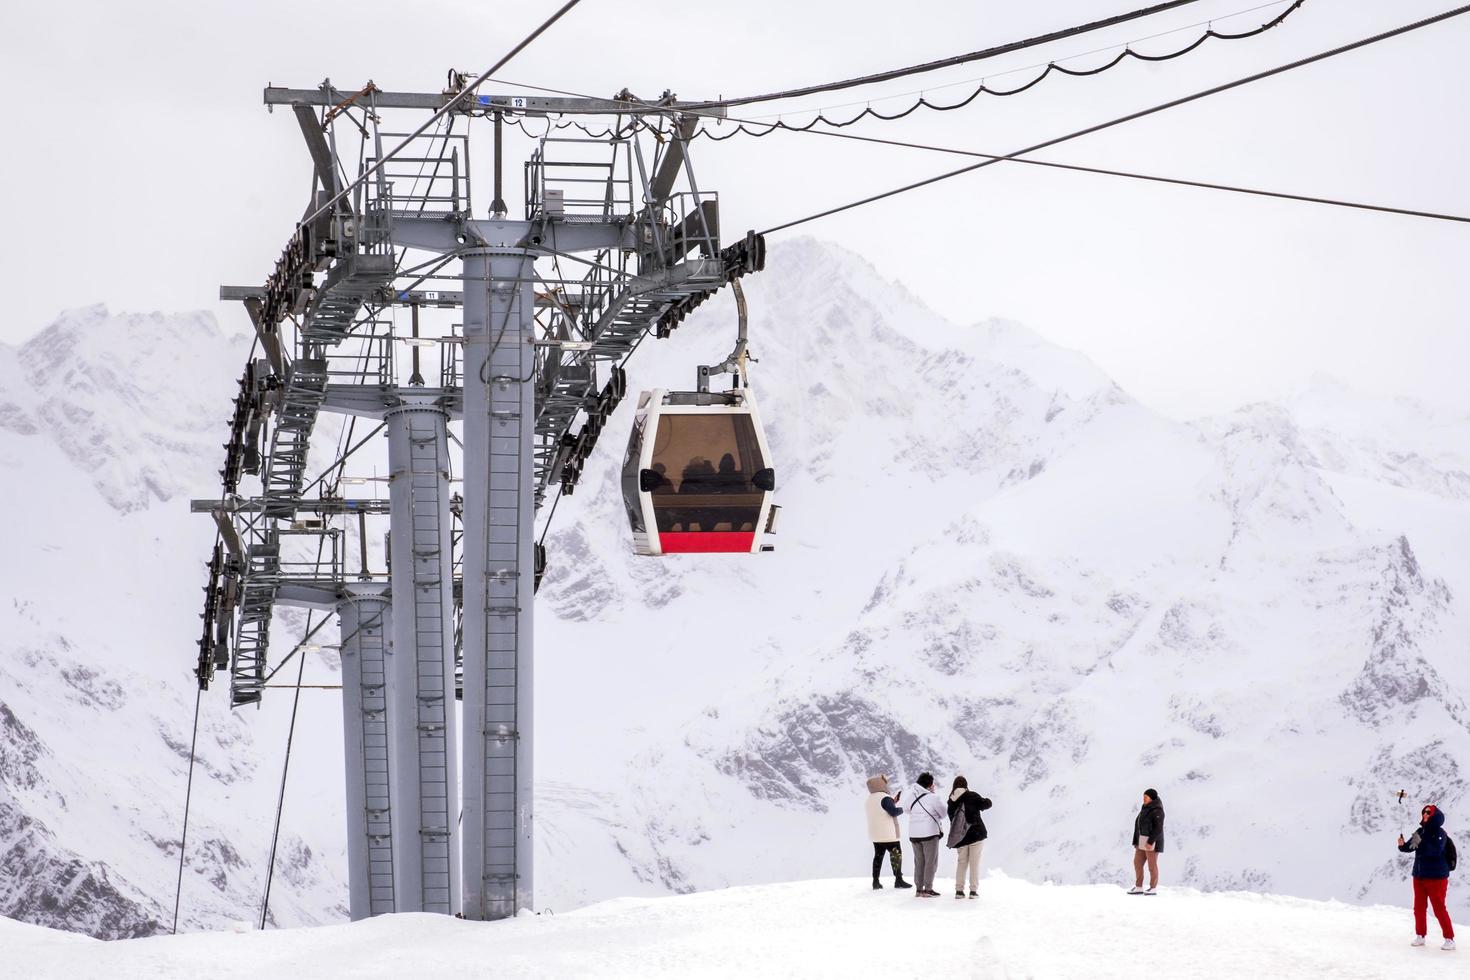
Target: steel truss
[[617, 242]]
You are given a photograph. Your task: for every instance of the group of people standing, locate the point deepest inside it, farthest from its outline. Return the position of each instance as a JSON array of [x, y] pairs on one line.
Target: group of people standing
[[927, 811], [928, 808]]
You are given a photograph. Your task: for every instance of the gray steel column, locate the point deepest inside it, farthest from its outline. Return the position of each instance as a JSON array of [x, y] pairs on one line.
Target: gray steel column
[[499, 513], [421, 683], [365, 618]]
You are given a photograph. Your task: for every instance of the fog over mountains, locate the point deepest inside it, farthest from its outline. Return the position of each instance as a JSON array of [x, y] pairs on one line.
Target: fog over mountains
[[991, 560]]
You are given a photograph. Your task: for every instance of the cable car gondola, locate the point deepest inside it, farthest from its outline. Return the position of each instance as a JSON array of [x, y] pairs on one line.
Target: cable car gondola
[[698, 477]]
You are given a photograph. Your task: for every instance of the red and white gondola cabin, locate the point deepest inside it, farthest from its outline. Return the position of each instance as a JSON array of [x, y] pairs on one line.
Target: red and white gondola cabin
[[698, 477]]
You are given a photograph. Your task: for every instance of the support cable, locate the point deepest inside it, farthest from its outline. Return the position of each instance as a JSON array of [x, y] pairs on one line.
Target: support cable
[[341, 461], [270, 868], [439, 113], [1209, 22], [983, 89], [950, 62], [1154, 178], [1013, 158], [188, 796], [761, 127], [1214, 90]]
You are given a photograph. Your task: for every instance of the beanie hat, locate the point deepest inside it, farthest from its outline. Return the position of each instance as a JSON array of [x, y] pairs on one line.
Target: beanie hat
[[1152, 794]]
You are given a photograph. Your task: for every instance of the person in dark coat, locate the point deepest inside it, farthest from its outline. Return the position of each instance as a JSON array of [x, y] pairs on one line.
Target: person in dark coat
[[972, 842], [1148, 842], [1430, 847]]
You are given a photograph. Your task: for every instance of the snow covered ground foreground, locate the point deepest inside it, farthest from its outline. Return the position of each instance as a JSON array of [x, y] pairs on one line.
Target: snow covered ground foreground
[[833, 928]]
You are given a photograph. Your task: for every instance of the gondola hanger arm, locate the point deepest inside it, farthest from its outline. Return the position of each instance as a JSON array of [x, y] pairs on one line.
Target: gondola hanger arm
[[738, 359]]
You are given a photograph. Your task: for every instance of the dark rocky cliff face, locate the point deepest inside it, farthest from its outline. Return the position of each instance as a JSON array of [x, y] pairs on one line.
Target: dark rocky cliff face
[[42, 882]]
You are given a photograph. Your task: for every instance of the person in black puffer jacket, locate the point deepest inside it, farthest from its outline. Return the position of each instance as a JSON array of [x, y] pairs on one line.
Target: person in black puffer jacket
[[969, 846], [1148, 842]]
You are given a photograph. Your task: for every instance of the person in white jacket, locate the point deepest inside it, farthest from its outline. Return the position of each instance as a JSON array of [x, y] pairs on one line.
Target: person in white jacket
[[926, 826]]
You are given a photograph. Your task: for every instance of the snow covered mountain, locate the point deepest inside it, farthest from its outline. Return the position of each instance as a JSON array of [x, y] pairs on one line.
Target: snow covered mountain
[[991, 561]]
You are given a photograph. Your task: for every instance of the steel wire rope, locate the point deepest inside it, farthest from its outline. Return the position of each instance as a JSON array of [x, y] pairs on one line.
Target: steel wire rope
[[188, 794], [981, 55], [1154, 178], [961, 83], [270, 867], [194, 738], [758, 127], [983, 89], [1129, 117], [444, 110], [303, 645], [1102, 171]]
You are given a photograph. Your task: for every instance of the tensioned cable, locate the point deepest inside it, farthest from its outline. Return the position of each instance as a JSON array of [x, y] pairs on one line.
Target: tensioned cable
[[1215, 90], [1056, 165], [270, 868], [950, 62], [188, 794], [923, 102], [1021, 69], [761, 127], [442, 111], [1155, 178]]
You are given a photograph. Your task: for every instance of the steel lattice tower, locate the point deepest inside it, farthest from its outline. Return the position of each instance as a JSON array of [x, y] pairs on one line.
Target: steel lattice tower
[[533, 372]]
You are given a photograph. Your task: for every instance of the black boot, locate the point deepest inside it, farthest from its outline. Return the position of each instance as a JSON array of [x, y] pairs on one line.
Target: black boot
[[877, 884], [900, 883]]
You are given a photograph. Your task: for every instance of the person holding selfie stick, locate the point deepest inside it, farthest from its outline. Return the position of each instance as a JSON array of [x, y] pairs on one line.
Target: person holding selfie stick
[[883, 812], [1148, 842], [1434, 859]]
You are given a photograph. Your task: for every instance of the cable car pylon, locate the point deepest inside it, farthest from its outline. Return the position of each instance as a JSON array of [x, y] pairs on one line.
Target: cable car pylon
[[532, 317]]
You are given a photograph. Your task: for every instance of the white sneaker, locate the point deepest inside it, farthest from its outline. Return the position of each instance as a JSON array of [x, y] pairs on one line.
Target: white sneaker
[[1151, 891], [1135, 890], [1418, 941], [1448, 944]]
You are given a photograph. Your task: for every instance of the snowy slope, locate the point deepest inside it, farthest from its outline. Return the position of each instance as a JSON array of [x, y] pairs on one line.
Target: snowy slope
[[991, 561], [834, 928]]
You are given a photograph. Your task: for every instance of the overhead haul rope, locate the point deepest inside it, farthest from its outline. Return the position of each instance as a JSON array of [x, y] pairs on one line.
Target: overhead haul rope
[[966, 82], [950, 62], [1215, 90], [760, 127], [983, 89], [439, 113], [1050, 164], [1154, 178]]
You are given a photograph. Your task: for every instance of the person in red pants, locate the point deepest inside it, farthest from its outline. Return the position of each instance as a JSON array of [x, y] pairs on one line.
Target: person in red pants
[[1430, 847]]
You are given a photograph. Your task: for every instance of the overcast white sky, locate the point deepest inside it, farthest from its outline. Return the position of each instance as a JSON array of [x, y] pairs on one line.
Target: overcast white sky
[[140, 169]]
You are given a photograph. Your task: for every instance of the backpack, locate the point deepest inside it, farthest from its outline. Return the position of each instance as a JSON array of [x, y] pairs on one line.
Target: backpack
[[959, 826], [1451, 856]]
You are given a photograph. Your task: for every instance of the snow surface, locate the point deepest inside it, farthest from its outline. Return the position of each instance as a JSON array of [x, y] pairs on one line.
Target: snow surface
[[831, 928], [991, 560]]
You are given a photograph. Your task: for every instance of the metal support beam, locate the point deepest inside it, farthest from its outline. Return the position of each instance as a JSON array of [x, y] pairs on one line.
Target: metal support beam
[[365, 617], [529, 104], [499, 513], [421, 682]]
